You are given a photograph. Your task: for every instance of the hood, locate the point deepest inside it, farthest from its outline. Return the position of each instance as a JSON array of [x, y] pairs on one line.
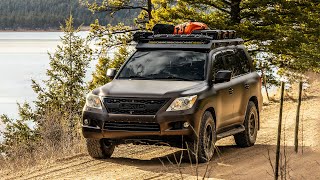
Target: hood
[[145, 88]]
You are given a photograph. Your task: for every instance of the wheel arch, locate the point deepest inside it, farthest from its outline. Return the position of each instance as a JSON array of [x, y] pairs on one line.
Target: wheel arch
[[213, 112], [254, 99]]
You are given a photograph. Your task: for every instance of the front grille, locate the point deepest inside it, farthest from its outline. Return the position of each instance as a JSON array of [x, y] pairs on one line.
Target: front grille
[[135, 106], [131, 126]]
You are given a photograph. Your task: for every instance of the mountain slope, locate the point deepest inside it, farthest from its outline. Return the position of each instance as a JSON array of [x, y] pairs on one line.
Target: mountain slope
[[49, 14]]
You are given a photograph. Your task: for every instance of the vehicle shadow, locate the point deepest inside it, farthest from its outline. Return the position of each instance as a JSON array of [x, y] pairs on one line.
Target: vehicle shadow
[[229, 161], [138, 156], [145, 155]]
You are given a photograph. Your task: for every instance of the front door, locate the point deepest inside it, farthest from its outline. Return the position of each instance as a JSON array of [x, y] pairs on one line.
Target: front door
[[224, 92]]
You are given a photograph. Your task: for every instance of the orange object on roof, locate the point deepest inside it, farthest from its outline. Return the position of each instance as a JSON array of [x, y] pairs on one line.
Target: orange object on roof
[[189, 27]]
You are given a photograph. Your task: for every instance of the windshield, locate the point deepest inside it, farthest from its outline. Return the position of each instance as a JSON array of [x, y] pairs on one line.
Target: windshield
[[174, 65]]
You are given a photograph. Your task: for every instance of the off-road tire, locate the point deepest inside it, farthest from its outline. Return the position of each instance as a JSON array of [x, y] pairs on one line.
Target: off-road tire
[[248, 137], [197, 149], [99, 148]]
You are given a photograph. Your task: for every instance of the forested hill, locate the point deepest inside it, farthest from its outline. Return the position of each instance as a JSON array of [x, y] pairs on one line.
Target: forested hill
[[48, 14]]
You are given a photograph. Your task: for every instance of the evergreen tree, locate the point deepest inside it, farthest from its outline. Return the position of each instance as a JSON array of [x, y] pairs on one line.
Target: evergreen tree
[[289, 30]]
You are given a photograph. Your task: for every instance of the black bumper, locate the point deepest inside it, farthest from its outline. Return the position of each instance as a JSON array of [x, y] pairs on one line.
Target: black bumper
[[165, 120]]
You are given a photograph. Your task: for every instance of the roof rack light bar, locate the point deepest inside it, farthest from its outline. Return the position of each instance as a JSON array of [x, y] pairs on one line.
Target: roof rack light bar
[[218, 34]]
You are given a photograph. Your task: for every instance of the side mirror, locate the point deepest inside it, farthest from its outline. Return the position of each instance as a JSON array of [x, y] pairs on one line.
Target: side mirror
[[223, 76], [111, 73]]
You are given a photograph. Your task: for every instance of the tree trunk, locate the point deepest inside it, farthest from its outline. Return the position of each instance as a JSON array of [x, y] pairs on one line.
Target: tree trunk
[[150, 9], [235, 11]]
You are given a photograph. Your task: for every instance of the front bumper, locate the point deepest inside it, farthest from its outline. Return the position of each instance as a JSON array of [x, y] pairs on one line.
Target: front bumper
[[165, 120], [97, 133]]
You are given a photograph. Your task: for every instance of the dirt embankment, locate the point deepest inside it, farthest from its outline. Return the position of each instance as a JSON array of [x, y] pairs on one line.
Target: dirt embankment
[[154, 162]]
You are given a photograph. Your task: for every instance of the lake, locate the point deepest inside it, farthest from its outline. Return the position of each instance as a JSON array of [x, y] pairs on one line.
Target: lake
[[24, 56]]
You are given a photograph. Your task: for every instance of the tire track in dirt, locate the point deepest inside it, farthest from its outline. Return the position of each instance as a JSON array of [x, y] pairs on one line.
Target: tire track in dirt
[[53, 166], [59, 169], [94, 167]]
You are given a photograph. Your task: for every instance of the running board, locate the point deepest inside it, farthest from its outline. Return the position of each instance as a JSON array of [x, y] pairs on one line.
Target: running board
[[231, 132]]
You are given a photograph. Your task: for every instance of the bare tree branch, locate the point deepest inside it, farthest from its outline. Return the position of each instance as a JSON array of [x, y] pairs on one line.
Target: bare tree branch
[[211, 3], [226, 2], [118, 8]]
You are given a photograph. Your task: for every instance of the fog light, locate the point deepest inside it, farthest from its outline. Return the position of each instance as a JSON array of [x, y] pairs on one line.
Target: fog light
[[186, 125], [86, 122]]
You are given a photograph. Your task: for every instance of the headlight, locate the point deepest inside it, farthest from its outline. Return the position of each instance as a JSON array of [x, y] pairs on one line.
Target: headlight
[[93, 101], [182, 103]]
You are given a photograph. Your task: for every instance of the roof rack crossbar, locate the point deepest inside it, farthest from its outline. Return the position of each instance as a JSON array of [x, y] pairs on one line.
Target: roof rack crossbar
[[206, 39]]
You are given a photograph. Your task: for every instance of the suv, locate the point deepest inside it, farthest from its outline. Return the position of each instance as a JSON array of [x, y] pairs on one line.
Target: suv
[[186, 90]]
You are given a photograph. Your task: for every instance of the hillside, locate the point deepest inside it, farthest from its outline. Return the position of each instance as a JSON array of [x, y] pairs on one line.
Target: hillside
[[48, 14]]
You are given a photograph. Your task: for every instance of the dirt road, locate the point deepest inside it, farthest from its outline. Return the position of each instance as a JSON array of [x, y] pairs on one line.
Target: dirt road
[[152, 162]]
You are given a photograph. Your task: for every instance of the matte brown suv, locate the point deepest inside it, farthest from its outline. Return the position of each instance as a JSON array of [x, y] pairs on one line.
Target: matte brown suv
[[186, 90]]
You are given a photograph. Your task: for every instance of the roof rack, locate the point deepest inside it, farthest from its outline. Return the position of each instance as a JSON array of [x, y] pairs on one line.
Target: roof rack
[[212, 39], [217, 34], [197, 35]]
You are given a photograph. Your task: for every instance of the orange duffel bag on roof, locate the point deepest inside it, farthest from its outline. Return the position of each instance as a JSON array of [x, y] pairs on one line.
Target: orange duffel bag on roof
[[189, 27]]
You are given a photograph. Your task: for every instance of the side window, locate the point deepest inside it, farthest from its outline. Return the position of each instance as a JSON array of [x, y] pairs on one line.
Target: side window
[[244, 61], [237, 63], [234, 61], [231, 63], [218, 63]]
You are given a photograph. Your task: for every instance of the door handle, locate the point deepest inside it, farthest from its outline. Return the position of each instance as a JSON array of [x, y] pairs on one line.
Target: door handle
[[230, 91], [247, 86]]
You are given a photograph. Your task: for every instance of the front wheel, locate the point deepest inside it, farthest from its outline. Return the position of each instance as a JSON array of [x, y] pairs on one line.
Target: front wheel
[[248, 137], [201, 149], [99, 148]]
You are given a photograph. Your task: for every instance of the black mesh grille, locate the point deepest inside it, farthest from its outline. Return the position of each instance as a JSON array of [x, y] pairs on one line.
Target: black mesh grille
[[131, 126], [135, 106]]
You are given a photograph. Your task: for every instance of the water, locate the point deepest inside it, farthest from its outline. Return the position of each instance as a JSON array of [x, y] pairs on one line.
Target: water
[[24, 56]]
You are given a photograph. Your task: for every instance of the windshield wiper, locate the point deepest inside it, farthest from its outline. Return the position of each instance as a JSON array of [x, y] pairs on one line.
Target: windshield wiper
[[135, 77], [178, 78], [154, 76], [149, 77]]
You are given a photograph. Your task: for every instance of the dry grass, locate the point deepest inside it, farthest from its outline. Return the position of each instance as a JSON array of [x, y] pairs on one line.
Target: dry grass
[[57, 140]]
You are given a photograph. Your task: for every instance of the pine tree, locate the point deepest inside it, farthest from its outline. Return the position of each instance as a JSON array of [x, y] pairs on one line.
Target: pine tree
[[288, 30], [65, 88]]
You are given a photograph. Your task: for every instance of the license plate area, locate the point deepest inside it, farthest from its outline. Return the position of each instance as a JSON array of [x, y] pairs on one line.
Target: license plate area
[[132, 106]]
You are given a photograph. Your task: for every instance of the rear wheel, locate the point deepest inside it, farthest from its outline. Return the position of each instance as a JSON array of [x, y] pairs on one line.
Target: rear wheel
[[201, 149], [99, 148], [248, 137]]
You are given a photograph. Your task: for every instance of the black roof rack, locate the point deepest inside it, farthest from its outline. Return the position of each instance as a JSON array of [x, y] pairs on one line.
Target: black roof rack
[[217, 34], [202, 39]]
